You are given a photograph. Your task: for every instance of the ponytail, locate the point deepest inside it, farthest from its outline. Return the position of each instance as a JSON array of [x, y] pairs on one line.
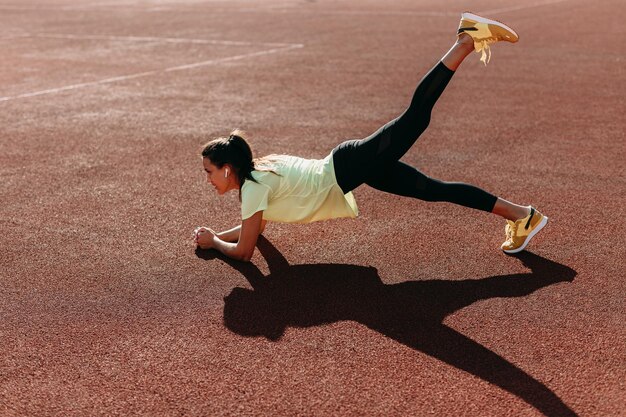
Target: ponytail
[[240, 145], [234, 151]]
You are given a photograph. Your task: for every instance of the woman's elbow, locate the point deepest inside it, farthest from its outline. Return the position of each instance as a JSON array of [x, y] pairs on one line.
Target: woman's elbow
[[246, 256]]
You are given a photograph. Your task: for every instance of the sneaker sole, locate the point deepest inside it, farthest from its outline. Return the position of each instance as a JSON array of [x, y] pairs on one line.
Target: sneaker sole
[[480, 19], [540, 226]]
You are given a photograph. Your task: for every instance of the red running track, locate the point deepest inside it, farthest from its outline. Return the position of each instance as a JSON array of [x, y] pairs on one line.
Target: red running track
[[411, 309]]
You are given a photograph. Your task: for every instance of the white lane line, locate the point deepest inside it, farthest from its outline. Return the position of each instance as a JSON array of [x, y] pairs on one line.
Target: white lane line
[[289, 10], [520, 7], [167, 6], [60, 7], [12, 37], [157, 39], [234, 58], [377, 13], [293, 10], [77, 86], [171, 7], [149, 73], [114, 4]]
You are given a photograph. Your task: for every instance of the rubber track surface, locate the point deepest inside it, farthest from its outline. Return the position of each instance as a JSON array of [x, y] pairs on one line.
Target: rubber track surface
[[106, 308]]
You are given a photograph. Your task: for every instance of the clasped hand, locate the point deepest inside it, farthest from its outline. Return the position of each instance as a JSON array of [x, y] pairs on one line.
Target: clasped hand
[[204, 237]]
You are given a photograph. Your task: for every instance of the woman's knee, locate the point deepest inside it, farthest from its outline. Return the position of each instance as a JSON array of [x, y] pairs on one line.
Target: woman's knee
[[411, 127], [434, 189]]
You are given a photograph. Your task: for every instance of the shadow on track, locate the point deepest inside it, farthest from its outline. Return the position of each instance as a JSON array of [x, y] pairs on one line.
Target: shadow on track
[[411, 313]]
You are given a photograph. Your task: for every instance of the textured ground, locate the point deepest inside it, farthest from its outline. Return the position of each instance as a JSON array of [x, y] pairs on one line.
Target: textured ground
[[411, 309]]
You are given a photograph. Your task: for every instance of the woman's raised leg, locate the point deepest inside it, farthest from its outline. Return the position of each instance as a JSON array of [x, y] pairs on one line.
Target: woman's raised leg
[[457, 53], [354, 159]]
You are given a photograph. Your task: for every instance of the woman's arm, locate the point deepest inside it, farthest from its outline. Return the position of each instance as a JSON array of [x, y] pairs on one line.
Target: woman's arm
[[232, 235], [249, 232]]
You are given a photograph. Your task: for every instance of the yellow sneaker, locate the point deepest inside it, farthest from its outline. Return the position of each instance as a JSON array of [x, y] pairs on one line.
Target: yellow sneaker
[[485, 32], [519, 233]]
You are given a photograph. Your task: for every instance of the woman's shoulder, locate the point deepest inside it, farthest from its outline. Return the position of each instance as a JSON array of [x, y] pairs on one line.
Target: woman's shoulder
[[273, 165], [271, 160], [267, 171], [260, 186]]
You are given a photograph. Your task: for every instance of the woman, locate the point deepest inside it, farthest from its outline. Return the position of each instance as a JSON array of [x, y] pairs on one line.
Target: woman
[[291, 189]]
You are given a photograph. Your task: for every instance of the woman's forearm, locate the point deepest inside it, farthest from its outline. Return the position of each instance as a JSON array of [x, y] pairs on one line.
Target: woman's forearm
[[246, 237], [231, 235], [230, 249]]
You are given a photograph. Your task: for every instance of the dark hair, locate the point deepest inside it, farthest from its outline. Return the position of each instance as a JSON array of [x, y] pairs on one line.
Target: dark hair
[[234, 151]]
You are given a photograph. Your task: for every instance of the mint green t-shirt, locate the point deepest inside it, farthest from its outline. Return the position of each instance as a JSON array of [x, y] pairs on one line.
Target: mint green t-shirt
[[297, 191]]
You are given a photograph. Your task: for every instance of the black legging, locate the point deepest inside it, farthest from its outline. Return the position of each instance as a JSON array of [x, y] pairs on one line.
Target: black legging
[[375, 159]]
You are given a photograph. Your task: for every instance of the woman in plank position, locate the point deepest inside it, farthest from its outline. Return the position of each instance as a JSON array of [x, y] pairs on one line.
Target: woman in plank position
[[290, 189]]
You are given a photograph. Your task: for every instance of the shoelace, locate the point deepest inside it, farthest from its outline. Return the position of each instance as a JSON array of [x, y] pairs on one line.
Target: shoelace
[[511, 231], [483, 46]]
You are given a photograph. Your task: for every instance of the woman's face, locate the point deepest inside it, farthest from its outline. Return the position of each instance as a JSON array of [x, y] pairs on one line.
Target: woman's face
[[220, 178]]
